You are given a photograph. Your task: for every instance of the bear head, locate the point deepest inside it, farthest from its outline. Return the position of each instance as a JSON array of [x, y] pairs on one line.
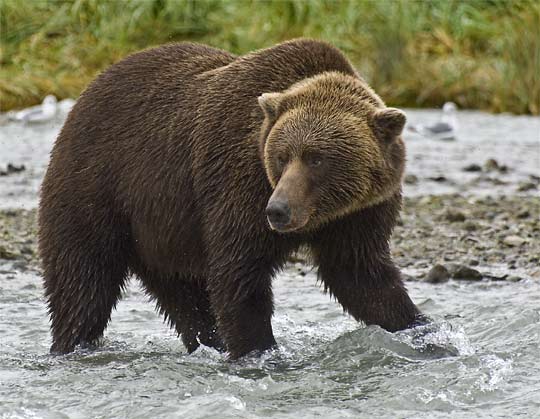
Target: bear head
[[330, 147]]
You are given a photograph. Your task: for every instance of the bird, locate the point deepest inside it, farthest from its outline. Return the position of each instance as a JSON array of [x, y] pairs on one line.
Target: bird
[[445, 128], [39, 113]]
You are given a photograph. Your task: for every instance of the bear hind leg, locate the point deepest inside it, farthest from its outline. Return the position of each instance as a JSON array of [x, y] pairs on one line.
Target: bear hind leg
[[82, 287], [185, 304]]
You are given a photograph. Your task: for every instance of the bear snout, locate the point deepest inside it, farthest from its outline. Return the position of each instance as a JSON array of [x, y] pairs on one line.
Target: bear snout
[[278, 213]]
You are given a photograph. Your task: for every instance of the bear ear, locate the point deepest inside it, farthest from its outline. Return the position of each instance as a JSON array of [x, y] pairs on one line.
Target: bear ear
[[269, 102], [388, 123]]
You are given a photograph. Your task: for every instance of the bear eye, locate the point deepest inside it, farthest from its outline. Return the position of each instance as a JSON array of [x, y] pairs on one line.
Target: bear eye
[[282, 160], [315, 161]]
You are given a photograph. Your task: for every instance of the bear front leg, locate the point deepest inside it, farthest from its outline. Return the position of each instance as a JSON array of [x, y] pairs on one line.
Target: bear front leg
[[243, 304], [356, 267], [375, 295]]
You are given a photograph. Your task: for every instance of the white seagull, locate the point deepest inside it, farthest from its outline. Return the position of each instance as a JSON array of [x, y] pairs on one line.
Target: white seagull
[[445, 128], [38, 114]]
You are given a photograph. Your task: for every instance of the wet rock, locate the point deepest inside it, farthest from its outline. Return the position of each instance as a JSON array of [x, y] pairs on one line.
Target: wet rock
[[465, 273], [494, 180], [454, 216], [439, 178], [494, 277], [7, 254], [411, 179], [492, 165], [470, 226], [27, 250], [526, 186], [472, 168], [514, 278], [437, 275], [523, 214], [12, 168], [408, 278], [6, 272], [514, 241]]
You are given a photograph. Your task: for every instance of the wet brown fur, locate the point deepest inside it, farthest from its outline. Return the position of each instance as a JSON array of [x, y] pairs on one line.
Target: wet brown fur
[[159, 172]]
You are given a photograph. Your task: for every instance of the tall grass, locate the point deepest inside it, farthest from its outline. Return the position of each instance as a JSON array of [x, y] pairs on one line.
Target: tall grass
[[479, 53]]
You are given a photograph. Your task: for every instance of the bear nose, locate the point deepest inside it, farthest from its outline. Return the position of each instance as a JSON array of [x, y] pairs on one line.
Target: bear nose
[[278, 212]]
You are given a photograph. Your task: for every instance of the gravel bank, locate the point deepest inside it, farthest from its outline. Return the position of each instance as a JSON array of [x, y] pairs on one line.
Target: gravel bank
[[497, 237]]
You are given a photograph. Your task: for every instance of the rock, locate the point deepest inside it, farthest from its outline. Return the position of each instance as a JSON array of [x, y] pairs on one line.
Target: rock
[[523, 214], [454, 216], [437, 275], [494, 277], [466, 274], [6, 254], [411, 179], [526, 186], [514, 241], [472, 168], [439, 178], [408, 278], [11, 168], [470, 226], [492, 165], [27, 250], [514, 278]]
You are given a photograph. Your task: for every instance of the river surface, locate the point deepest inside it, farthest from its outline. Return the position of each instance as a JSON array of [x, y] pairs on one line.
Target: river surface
[[479, 359]]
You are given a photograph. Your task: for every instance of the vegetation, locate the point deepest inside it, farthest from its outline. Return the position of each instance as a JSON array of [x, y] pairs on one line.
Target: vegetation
[[479, 53]]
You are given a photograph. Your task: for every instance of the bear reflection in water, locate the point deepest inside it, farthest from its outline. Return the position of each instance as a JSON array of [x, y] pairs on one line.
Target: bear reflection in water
[[200, 172]]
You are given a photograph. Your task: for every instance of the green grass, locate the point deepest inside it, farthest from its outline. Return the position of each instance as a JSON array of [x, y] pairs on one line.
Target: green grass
[[480, 54]]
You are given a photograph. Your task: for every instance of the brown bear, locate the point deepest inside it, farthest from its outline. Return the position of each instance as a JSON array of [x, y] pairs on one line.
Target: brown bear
[[199, 172]]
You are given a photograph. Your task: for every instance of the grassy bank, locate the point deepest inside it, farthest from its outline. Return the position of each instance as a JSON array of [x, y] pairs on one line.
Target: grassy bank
[[480, 54]]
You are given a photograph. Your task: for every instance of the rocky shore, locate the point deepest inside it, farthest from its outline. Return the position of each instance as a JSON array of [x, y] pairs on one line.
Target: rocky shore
[[439, 238]]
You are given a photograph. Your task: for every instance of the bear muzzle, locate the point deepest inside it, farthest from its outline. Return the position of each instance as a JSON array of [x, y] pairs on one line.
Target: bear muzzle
[[288, 207]]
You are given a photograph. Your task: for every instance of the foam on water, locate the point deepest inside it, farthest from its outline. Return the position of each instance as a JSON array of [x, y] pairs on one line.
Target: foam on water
[[326, 363]]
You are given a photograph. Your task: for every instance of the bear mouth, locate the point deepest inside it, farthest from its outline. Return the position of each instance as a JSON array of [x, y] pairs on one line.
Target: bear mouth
[[289, 227]]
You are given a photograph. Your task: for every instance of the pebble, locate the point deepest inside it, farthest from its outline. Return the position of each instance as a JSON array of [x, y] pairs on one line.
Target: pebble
[[470, 226], [467, 274], [494, 277], [12, 168], [472, 168], [440, 178], [523, 214], [6, 254], [526, 186], [514, 241], [454, 216], [493, 165], [437, 275], [408, 278], [411, 179]]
